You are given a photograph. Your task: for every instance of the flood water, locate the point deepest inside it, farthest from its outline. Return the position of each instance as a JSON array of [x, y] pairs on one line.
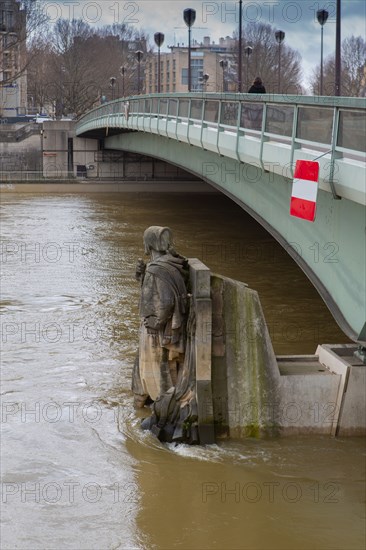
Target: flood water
[[77, 472]]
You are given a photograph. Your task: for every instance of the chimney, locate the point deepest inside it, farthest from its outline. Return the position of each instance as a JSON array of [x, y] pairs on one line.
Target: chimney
[[206, 41]]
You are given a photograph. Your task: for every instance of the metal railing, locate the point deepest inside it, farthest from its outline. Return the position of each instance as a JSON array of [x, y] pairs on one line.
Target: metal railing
[[325, 123], [34, 176]]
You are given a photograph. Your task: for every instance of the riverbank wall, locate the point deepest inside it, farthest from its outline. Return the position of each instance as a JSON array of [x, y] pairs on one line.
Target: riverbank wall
[[51, 153], [90, 186]]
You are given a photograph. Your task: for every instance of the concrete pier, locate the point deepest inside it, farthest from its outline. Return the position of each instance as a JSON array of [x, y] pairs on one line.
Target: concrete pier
[[257, 394]]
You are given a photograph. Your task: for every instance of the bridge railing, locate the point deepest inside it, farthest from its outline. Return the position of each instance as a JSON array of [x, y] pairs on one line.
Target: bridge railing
[[327, 123]]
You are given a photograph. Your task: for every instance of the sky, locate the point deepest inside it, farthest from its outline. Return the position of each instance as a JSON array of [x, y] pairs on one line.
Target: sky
[[219, 19]]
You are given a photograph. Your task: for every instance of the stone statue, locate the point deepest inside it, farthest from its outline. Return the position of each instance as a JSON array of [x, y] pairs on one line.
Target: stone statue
[[164, 371]]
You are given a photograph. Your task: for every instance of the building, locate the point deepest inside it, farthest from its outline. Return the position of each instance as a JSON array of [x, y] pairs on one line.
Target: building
[[13, 78], [205, 60]]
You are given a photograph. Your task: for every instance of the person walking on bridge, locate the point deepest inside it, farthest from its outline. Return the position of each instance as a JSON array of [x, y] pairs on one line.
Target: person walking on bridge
[[257, 87]]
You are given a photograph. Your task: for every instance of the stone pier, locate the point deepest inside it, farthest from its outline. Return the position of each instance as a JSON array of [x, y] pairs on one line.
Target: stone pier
[[255, 393]]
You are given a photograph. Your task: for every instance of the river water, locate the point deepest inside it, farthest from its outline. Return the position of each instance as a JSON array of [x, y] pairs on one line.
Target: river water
[[77, 472]]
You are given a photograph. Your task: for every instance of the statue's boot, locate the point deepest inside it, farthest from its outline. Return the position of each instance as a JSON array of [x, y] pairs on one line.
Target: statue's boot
[[193, 415], [166, 410], [179, 432], [148, 423], [193, 436]]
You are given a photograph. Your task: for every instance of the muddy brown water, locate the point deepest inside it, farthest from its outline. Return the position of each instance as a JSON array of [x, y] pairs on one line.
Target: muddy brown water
[[77, 472]]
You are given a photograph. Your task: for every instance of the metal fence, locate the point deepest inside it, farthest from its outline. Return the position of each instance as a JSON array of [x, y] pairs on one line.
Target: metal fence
[[33, 176], [337, 124]]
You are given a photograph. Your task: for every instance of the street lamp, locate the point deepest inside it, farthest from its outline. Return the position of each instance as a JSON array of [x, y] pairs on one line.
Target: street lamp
[[205, 78], [112, 84], [122, 70], [159, 39], [337, 81], [240, 46], [139, 55], [62, 79], [280, 37], [223, 64], [322, 16], [248, 52], [189, 16]]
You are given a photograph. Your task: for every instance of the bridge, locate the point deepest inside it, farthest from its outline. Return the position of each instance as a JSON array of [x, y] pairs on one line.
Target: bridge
[[246, 146]]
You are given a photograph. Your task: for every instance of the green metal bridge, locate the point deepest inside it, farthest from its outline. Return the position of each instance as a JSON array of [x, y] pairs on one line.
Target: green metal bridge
[[247, 146]]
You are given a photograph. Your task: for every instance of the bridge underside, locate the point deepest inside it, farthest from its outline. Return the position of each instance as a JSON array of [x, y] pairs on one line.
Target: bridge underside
[[331, 251]]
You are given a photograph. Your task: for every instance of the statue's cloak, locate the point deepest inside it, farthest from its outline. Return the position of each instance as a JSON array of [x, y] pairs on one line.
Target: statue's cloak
[[163, 313]]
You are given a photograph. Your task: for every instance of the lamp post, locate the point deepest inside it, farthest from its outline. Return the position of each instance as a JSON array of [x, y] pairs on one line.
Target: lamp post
[[248, 52], [280, 37], [123, 71], [205, 78], [139, 55], [189, 16], [322, 16], [223, 64], [159, 39], [60, 109], [337, 80], [112, 84], [240, 46]]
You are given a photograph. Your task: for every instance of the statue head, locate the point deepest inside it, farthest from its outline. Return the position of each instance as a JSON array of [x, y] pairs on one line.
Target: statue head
[[158, 239]]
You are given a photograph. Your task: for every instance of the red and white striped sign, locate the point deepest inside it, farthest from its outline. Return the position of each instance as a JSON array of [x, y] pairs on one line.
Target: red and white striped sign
[[305, 190]]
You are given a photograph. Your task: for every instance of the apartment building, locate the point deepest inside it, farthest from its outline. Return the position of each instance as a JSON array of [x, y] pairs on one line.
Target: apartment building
[[13, 79], [205, 60]]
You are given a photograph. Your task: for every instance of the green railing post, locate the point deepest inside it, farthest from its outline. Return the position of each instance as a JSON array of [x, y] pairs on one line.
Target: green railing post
[[294, 144], [333, 154], [202, 121], [189, 119], [263, 137], [176, 119], [218, 127], [238, 132]]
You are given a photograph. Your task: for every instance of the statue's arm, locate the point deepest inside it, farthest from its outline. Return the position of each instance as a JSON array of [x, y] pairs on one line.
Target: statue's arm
[[140, 270]]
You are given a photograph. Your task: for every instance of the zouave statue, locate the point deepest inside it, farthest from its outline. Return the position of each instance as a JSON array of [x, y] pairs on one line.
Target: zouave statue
[[164, 371]]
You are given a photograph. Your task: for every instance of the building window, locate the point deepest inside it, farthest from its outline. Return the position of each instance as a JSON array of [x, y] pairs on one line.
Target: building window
[[184, 77], [197, 73]]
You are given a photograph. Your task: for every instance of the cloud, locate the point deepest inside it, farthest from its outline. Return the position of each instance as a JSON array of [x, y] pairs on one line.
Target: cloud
[[217, 19]]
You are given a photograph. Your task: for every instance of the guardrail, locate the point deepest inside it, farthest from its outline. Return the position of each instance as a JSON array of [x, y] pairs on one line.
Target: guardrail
[[32, 176], [330, 123], [246, 126]]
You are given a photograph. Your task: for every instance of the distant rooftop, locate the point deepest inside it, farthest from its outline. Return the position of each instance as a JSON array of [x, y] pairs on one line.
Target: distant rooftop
[[223, 45]]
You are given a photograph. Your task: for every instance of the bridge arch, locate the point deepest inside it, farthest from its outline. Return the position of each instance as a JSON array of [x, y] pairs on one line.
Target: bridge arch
[[254, 170]]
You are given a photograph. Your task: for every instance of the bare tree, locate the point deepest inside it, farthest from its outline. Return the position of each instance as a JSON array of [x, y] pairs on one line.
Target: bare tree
[[74, 74], [353, 67], [38, 75], [19, 22], [264, 60], [53, 60], [122, 53]]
